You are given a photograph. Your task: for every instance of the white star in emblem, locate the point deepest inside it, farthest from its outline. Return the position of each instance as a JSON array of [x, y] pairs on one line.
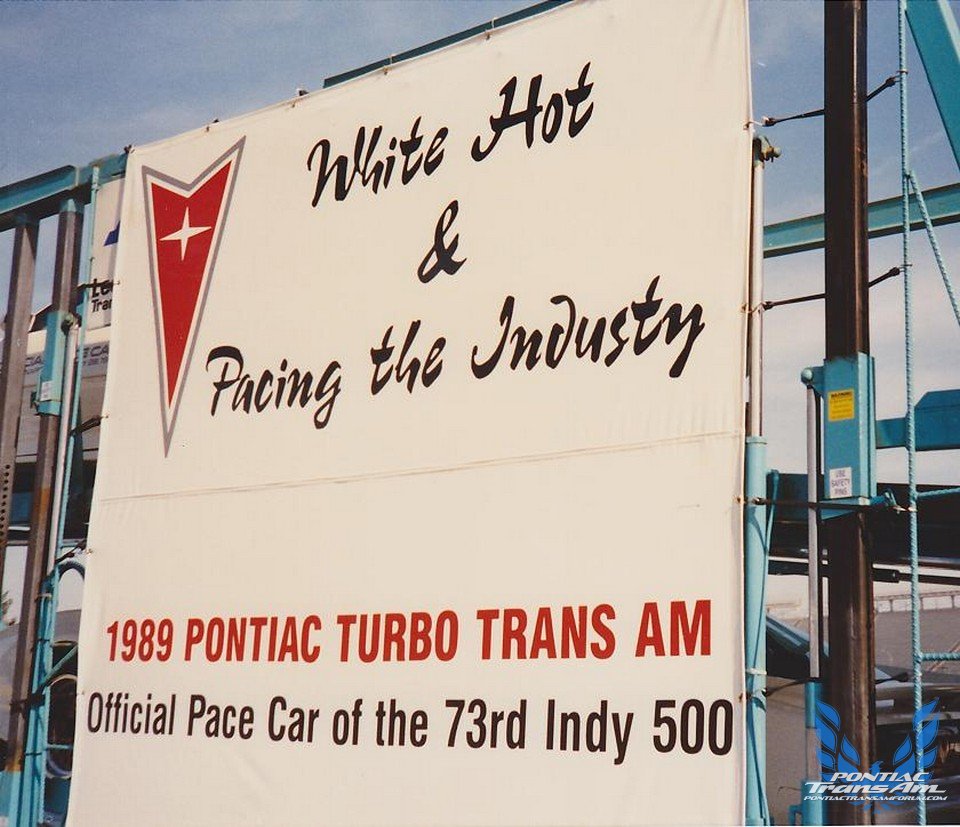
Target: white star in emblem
[[185, 233]]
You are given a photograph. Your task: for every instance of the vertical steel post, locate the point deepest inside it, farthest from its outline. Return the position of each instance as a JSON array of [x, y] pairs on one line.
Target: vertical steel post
[[761, 152], [755, 523], [64, 287], [813, 535], [14, 363], [851, 666]]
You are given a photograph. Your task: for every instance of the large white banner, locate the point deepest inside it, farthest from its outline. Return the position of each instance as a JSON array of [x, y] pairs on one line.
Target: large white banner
[[106, 237], [419, 474]]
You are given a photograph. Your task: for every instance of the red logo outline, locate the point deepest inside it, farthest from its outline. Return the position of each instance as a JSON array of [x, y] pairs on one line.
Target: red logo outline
[[184, 230]]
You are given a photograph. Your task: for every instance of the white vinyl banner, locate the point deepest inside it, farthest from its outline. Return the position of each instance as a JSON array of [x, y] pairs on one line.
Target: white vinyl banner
[[419, 474], [106, 235]]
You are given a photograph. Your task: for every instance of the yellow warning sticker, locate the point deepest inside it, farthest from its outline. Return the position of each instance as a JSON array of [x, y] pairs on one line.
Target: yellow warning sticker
[[840, 405]]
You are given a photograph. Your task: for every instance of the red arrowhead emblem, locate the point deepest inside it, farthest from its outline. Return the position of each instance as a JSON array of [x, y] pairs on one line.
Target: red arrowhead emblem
[[184, 227]]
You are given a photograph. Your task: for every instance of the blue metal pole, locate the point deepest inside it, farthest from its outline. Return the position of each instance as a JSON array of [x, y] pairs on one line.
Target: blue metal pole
[[754, 579], [812, 811], [806, 233], [937, 37], [82, 311]]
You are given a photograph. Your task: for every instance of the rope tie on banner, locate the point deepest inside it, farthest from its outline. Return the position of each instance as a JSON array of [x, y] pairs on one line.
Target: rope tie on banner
[[815, 113], [759, 307]]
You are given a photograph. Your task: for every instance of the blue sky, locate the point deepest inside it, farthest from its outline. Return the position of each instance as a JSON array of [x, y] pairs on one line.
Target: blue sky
[[83, 80]]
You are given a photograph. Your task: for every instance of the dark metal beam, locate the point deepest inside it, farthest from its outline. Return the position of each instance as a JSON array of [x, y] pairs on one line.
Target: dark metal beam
[[16, 328], [851, 670], [845, 180]]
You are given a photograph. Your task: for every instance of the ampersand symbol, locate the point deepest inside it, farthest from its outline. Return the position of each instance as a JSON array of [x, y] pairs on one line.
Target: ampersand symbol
[[440, 256]]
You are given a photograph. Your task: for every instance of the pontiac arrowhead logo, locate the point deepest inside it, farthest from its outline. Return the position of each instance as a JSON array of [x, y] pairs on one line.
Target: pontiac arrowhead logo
[[184, 228]]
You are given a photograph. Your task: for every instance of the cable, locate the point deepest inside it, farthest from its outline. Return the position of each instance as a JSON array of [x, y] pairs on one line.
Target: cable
[[815, 113], [935, 245], [893, 271]]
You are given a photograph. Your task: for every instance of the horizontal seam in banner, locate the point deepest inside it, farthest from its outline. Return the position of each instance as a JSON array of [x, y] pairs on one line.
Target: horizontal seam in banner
[[409, 472]]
